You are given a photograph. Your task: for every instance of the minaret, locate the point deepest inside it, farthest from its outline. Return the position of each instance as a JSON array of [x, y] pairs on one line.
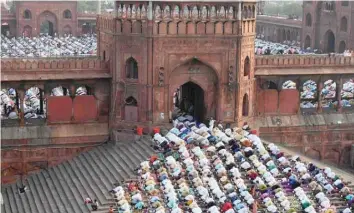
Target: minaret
[[99, 7]]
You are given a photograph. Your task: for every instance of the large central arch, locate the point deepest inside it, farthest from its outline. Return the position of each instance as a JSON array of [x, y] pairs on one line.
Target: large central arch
[[50, 19], [330, 41], [194, 73]]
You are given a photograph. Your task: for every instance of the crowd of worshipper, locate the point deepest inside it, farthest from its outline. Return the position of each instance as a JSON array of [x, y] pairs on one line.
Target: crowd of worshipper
[[48, 46], [10, 103], [202, 168], [263, 47], [347, 93]]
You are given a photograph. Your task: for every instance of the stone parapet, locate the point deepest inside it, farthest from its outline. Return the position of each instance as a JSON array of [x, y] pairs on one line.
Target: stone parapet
[[294, 61], [279, 21], [53, 68]]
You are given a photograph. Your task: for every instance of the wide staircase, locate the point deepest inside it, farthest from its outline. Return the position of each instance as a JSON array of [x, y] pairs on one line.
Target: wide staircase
[[63, 188]]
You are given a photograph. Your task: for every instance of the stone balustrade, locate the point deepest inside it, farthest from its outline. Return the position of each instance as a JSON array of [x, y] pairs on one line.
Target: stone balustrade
[[298, 61], [53, 68]]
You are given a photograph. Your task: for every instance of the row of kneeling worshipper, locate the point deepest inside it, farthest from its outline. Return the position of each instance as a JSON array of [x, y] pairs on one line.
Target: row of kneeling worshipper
[[202, 168], [48, 46]]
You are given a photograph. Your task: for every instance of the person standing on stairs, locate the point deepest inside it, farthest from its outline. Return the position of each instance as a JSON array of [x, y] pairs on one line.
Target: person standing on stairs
[[94, 205]]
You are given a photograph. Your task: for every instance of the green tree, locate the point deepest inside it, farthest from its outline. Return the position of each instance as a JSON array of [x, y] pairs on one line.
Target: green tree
[[283, 8]]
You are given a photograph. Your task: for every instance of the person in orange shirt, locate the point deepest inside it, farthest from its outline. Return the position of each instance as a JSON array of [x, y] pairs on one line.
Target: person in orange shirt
[[110, 209]]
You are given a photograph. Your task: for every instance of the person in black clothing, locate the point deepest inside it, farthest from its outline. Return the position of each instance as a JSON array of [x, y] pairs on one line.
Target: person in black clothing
[[94, 205]]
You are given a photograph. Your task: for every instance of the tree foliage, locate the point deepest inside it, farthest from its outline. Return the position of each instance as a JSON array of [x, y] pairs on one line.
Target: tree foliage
[[91, 6], [283, 8]]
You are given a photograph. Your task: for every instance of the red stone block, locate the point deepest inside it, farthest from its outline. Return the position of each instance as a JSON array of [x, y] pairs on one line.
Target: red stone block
[[85, 108], [289, 101], [59, 109]]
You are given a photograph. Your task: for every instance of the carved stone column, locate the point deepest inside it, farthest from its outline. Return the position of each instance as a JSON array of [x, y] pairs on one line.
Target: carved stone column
[[338, 93], [319, 97], [21, 97]]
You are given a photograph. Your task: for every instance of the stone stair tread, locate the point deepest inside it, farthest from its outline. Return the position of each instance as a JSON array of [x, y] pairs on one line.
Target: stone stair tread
[[106, 154], [58, 197], [95, 177], [19, 198], [37, 196], [66, 195], [63, 188], [12, 201], [6, 206], [84, 177], [48, 192], [23, 198], [31, 199], [69, 177], [103, 168], [122, 163]]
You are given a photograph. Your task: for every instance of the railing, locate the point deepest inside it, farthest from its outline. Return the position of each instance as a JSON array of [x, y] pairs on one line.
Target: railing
[[303, 61], [42, 64]]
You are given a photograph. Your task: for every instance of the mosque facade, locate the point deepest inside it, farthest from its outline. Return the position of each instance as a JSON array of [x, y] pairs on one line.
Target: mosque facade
[[30, 18], [204, 48], [328, 25]]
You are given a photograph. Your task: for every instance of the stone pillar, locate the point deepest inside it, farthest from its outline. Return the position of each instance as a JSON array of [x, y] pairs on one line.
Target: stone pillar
[[339, 86], [46, 95], [21, 115], [72, 90], [319, 98]]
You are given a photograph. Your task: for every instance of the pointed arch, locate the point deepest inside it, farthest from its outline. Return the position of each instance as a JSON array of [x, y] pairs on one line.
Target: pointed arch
[[175, 13], [307, 42], [343, 24], [190, 28], [330, 42], [67, 14], [219, 28], [27, 14], [131, 109], [127, 27], [201, 28], [131, 68], [137, 27], [172, 28], [67, 30], [27, 31], [246, 67], [341, 47], [308, 20], [162, 28], [181, 28], [245, 105], [131, 101]]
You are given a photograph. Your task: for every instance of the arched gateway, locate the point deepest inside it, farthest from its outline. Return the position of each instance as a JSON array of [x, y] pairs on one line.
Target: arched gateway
[[183, 63], [197, 85]]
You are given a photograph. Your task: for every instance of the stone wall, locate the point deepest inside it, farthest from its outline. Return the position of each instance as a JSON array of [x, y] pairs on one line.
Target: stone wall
[[53, 69], [324, 137], [29, 148]]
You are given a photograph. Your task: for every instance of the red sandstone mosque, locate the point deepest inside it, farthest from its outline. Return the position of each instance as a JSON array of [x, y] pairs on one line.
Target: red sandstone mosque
[[60, 17], [148, 52]]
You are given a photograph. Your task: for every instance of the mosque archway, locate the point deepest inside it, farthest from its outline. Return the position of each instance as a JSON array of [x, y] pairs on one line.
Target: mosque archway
[[330, 41], [341, 47], [47, 28], [190, 99], [5, 29], [307, 42], [47, 22], [193, 85]]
